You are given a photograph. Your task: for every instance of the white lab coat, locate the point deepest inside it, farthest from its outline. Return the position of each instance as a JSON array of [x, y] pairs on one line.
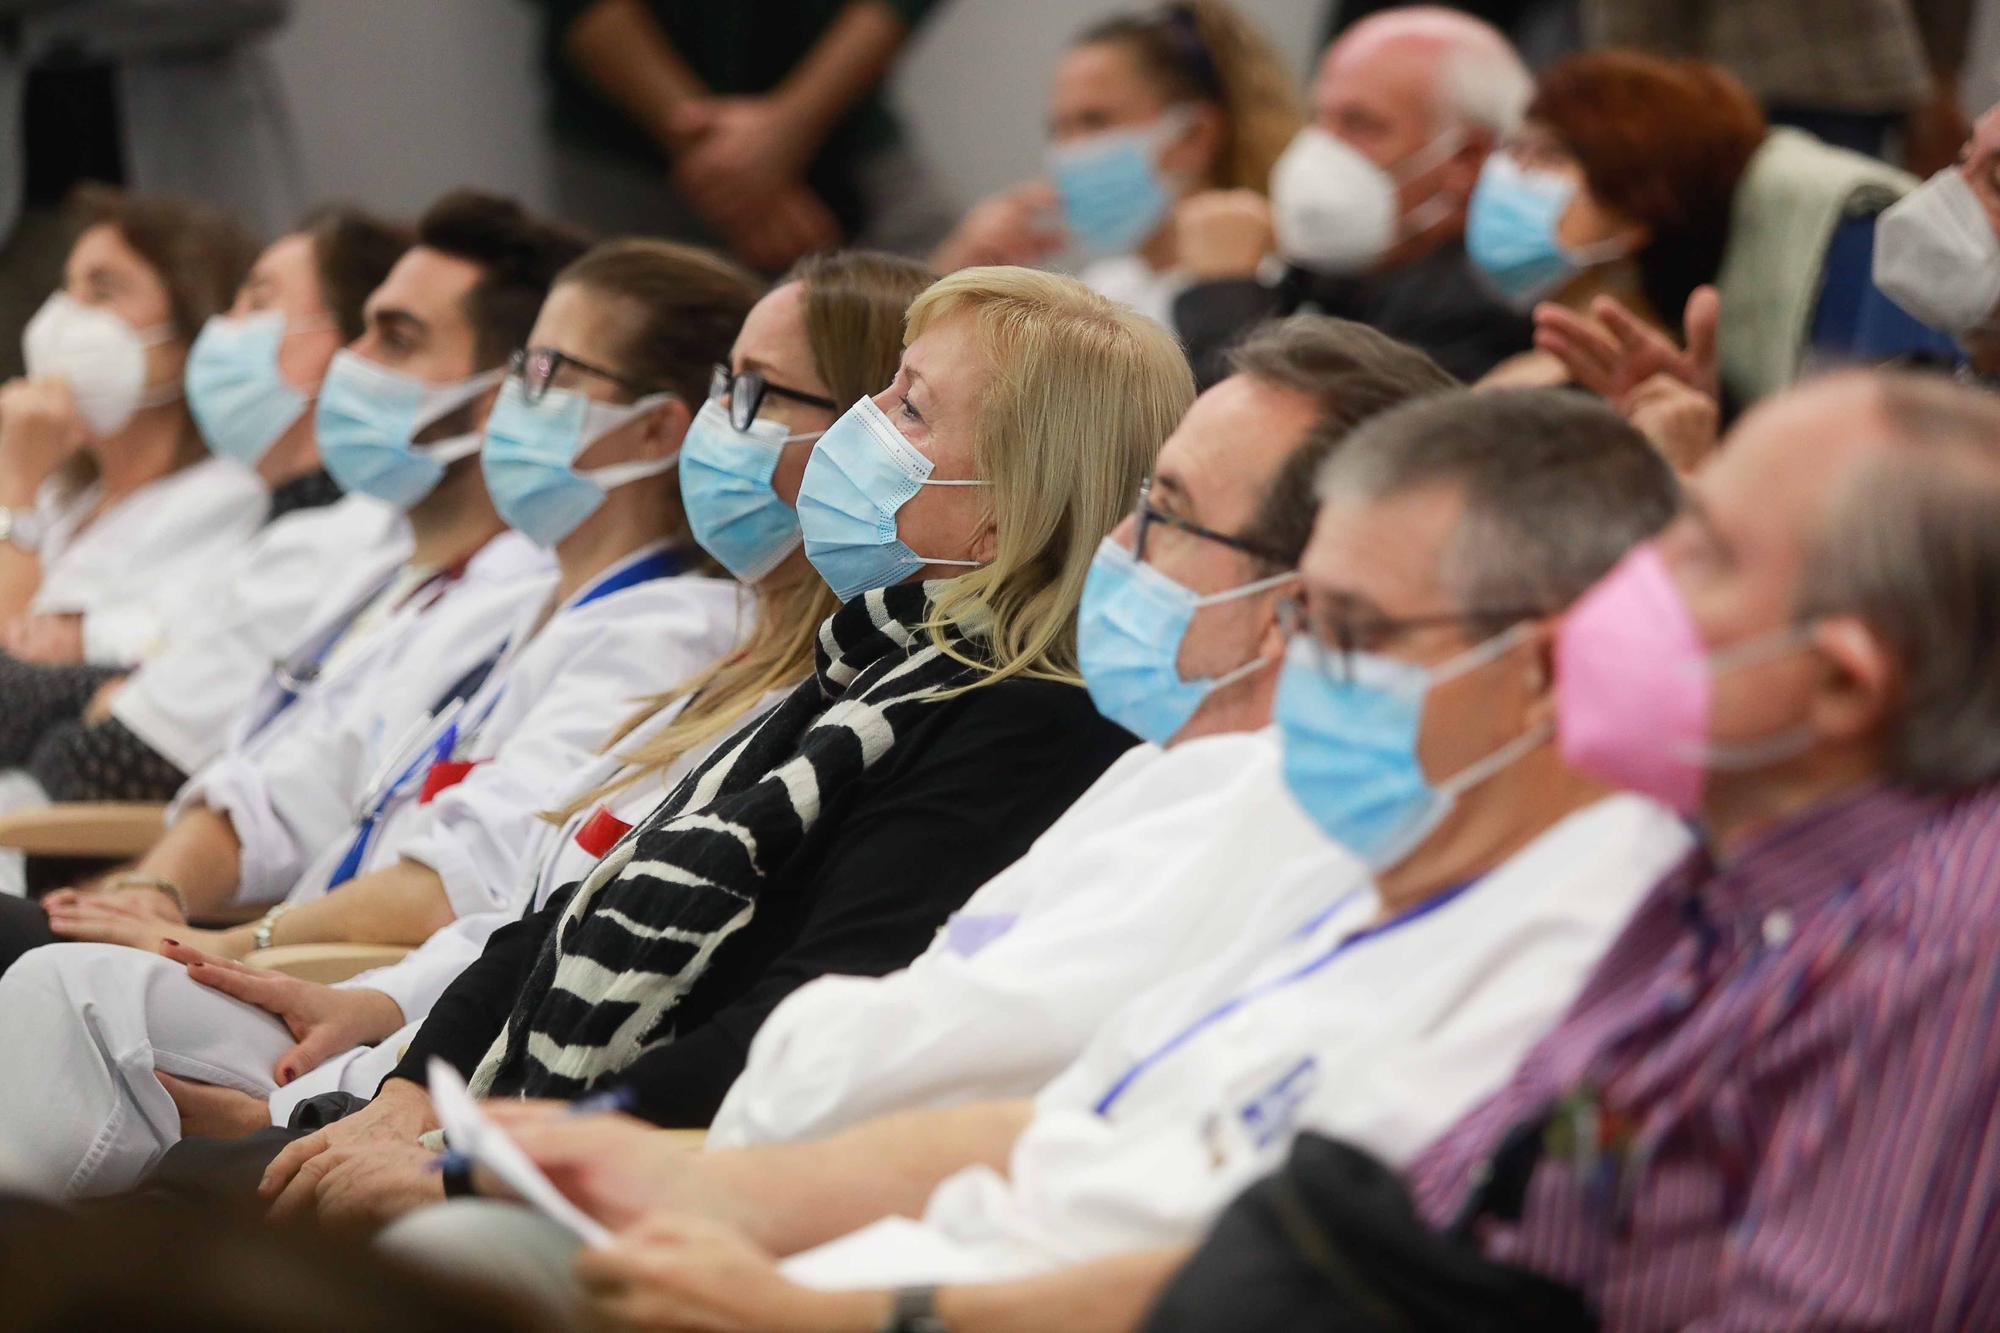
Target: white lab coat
[[97, 1020], [1157, 866], [142, 553], [1196, 1089], [544, 714], [221, 639], [293, 785]]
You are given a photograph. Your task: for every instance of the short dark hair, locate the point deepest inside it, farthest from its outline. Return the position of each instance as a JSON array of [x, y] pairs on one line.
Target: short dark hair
[[1557, 487], [200, 254], [353, 252], [1912, 548], [1351, 372], [688, 304], [520, 254]]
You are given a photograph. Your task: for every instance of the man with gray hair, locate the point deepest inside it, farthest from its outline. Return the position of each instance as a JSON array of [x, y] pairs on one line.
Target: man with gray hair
[[1413, 708], [1367, 207], [1793, 1043]]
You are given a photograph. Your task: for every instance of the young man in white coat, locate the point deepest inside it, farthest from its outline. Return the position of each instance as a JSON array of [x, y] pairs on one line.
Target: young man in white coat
[[1413, 708]]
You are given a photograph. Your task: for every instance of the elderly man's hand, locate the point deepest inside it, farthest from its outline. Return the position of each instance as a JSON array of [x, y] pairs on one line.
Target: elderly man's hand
[[400, 1114], [691, 1275]]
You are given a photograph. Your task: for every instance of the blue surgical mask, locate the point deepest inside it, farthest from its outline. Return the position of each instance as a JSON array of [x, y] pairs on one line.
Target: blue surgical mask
[[369, 417], [1350, 747], [726, 486], [861, 472], [1510, 232], [1113, 193], [531, 448], [238, 397], [1129, 630]]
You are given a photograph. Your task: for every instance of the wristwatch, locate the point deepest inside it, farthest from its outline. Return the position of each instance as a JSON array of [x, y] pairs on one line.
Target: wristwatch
[[21, 528], [914, 1311]]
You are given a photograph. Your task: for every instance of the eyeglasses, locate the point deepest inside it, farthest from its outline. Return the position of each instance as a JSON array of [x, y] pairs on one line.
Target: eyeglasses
[[537, 368], [746, 391], [1337, 636], [1148, 514]]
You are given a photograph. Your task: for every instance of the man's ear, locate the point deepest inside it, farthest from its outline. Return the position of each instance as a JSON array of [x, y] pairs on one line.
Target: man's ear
[[666, 426], [1271, 643], [1538, 674], [1857, 692]]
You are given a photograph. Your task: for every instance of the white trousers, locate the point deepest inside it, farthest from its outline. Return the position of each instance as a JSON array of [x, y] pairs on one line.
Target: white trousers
[[83, 1027]]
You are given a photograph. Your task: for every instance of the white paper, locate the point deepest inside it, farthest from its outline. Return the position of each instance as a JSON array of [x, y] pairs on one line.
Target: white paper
[[468, 1131]]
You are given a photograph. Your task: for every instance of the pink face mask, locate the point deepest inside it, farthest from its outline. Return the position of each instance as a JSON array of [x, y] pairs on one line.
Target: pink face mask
[[1632, 685]]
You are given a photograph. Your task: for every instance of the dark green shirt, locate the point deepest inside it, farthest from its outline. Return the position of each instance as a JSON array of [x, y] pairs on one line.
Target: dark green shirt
[[738, 47]]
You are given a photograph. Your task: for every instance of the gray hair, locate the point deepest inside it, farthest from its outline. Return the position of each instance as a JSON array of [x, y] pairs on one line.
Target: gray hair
[[1912, 548], [1557, 488], [1480, 80], [1351, 372]]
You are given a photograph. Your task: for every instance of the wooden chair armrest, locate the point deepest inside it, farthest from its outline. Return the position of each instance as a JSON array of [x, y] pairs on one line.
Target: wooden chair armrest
[[115, 830], [326, 963]]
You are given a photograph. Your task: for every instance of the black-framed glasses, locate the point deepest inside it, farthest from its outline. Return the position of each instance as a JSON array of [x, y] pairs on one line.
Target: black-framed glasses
[[1338, 635], [1147, 514], [746, 392], [538, 367]]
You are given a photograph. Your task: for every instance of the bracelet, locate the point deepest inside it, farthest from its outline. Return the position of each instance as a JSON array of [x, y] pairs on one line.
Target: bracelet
[[155, 883], [260, 938]]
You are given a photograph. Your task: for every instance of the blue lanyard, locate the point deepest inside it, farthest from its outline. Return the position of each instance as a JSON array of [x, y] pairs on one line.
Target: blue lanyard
[[653, 565], [1292, 978], [659, 564]]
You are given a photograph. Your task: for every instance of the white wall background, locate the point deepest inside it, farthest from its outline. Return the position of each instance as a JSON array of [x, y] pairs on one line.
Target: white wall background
[[396, 100]]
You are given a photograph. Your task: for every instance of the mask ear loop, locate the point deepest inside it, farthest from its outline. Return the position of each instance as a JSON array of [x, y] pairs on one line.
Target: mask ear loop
[[1787, 744], [1513, 751], [1257, 663], [454, 448], [1436, 208]]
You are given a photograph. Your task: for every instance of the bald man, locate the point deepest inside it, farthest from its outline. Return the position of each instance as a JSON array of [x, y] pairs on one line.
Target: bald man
[[1367, 208]]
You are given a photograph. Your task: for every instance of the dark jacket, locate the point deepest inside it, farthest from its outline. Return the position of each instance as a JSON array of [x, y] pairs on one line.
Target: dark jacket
[[1435, 303]]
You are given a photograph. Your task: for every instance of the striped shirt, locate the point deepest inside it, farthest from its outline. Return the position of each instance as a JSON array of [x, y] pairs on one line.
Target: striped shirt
[[1776, 1104]]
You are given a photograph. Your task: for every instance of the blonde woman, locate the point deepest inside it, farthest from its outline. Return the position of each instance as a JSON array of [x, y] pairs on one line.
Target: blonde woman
[[1145, 109], [944, 727]]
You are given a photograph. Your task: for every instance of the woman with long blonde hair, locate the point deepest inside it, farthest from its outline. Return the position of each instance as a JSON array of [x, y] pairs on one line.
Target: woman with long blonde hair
[[1145, 108], [955, 514]]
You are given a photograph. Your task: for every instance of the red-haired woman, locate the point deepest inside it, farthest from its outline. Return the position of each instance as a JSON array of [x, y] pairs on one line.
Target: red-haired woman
[[1619, 183]]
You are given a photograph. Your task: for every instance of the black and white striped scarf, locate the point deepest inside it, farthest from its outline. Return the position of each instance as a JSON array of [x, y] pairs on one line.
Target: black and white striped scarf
[[639, 932]]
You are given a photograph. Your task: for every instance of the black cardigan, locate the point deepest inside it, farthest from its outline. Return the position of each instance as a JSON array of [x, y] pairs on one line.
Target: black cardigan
[[957, 801]]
